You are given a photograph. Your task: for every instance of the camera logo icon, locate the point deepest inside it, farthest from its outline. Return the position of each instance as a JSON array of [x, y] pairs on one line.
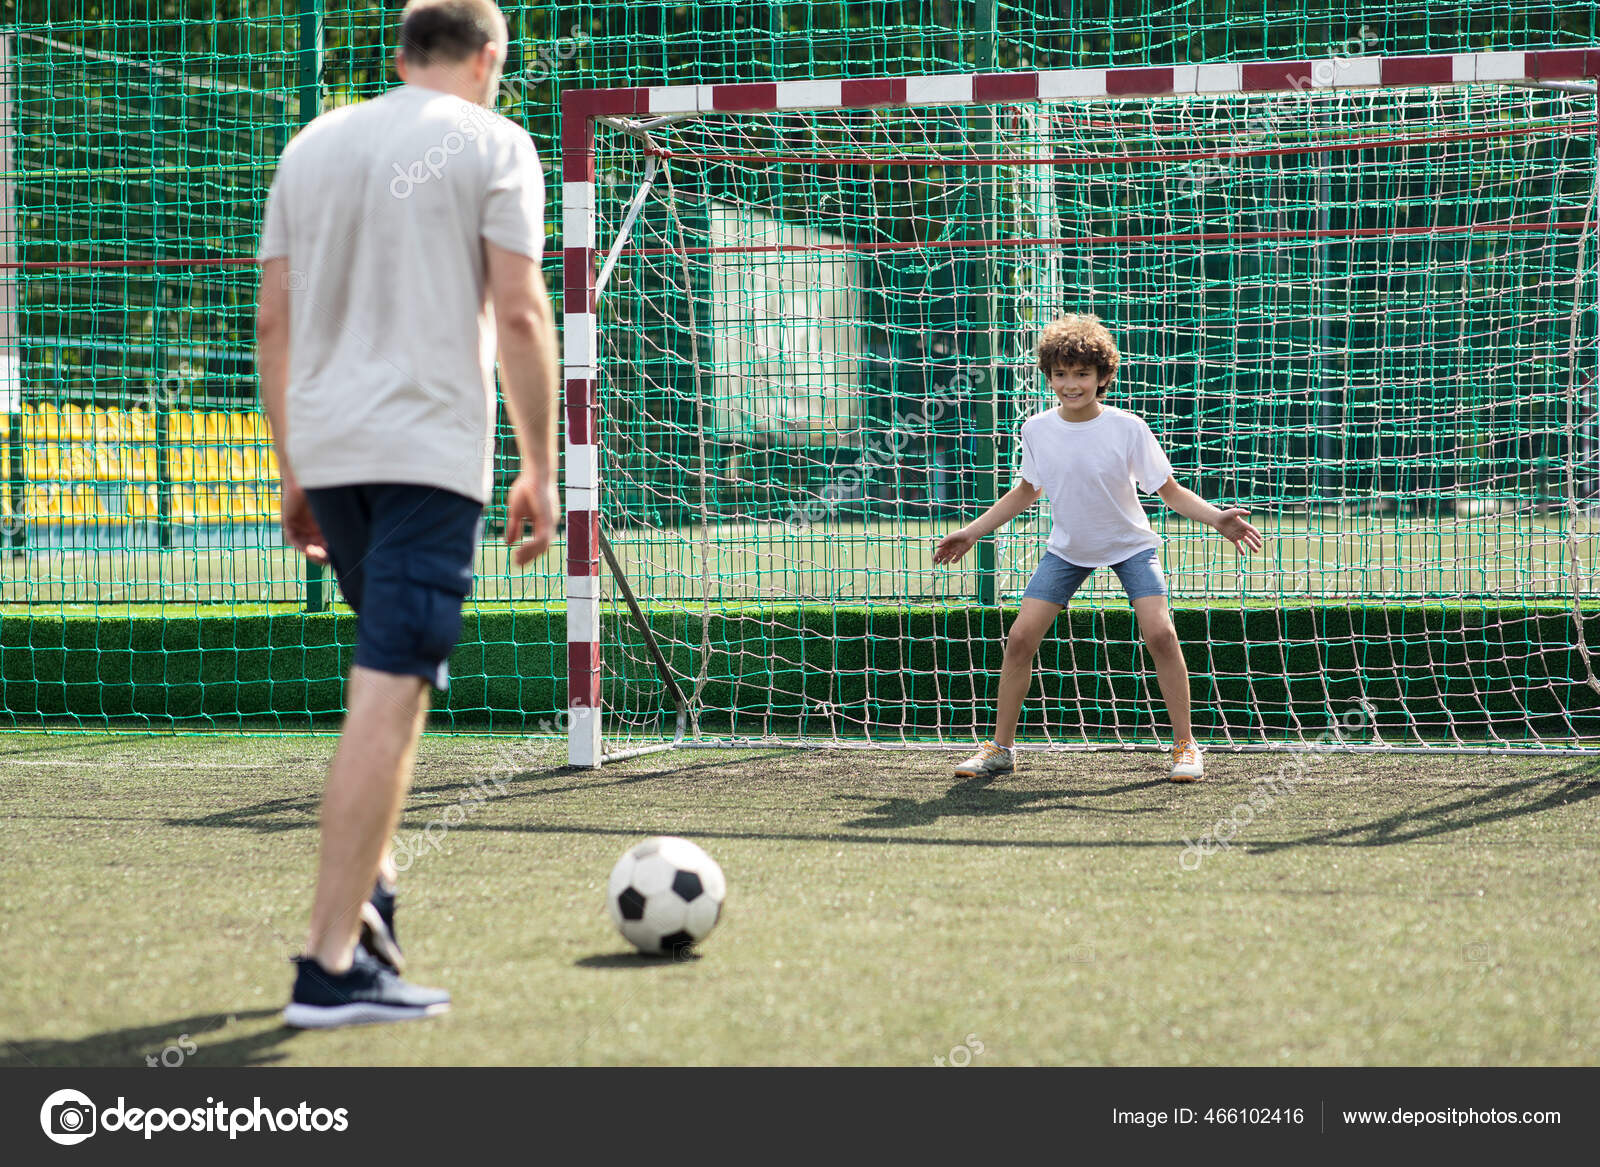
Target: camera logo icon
[[68, 1117]]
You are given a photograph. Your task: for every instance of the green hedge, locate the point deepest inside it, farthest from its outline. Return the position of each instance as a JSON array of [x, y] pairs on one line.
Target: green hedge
[[821, 669], [249, 669]]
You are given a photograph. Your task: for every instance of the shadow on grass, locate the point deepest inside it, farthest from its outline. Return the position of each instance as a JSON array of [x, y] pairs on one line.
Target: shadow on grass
[[634, 960], [972, 799], [293, 814], [124, 1048], [1578, 784], [88, 744], [269, 817], [977, 798]]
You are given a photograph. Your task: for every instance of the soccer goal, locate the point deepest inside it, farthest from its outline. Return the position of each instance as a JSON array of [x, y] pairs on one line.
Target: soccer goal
[[1355, 295]]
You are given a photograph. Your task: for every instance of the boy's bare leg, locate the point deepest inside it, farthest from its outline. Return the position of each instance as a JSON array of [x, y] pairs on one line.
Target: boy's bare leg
[[1172, 672], [1016, 673], [361, 805]]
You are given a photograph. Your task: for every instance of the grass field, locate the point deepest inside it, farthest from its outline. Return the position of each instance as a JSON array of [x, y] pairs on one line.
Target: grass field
[[1306, 557], [1384, 910]]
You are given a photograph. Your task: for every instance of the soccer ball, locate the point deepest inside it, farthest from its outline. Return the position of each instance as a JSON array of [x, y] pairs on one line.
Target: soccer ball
[[665, 895]]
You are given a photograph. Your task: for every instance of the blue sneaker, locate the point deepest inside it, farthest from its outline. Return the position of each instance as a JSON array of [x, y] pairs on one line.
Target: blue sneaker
[[369, 992], [377, 928]]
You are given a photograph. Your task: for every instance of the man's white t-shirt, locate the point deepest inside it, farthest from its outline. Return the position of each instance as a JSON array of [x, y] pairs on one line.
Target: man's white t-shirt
[[381, 209], [1088, 469]]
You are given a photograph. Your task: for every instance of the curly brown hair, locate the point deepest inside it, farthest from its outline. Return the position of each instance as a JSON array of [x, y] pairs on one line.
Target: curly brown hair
[[1078, 339]]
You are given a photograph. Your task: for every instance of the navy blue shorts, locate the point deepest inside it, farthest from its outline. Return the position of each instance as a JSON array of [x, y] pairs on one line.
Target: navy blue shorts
[[404, 556], [1055, 580]]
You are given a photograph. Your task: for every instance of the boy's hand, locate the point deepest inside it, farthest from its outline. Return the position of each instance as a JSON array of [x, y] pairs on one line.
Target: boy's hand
[[953, 546], [1233, 526]]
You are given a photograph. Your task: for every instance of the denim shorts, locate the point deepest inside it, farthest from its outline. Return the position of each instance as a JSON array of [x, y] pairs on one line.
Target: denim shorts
[[1055, 580], [404, 558]]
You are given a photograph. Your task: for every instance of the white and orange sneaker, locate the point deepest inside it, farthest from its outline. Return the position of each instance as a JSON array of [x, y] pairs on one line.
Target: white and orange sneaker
[[1186, 763], [988, 761]]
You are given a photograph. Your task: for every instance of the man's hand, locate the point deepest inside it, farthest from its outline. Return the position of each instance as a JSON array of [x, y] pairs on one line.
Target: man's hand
[[300, 525], [534, 502], [1233, 526], [953, 546]]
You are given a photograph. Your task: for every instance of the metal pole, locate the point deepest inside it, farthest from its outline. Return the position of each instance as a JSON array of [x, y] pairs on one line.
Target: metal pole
[[310, 108], [10, 332], [1325, 407], [168, 390], [986, 383]]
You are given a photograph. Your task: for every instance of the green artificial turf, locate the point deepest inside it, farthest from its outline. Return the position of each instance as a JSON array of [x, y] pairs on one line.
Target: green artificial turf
[[1369, 909]]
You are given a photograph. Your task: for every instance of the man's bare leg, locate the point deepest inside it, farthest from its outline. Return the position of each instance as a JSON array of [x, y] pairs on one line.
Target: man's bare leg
[[388, 873], [366, 788]]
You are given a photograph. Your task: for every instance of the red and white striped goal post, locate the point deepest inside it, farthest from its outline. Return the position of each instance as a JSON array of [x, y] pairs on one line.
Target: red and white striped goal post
[[580, 108]]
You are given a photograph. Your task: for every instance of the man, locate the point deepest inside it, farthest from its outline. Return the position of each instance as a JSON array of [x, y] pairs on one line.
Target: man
[[401, 242]]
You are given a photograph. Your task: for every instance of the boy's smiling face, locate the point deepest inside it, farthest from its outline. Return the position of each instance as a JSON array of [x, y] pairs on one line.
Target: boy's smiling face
[[1077, 388]]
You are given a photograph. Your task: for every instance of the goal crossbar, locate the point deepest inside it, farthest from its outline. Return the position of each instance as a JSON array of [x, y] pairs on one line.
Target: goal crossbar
[[1547, 65]]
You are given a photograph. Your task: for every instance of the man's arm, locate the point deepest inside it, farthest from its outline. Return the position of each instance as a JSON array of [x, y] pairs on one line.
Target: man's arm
[[526, 333], [1231, 524], [272, 365], [272, 353], [1007, 507]]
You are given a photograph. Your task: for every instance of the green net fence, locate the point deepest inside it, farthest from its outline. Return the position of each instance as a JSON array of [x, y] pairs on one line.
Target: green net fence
[[133, 426], [143, 581]]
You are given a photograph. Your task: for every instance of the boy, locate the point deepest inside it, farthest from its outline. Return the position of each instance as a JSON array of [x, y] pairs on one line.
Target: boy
[[1086, 455]]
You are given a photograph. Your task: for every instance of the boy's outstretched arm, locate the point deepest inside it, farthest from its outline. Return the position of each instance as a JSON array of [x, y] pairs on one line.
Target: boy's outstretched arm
[[1231, 524], [1010, 504]]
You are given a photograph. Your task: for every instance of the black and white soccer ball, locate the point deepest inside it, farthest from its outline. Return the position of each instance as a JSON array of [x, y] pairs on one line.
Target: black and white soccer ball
[[665, 895]]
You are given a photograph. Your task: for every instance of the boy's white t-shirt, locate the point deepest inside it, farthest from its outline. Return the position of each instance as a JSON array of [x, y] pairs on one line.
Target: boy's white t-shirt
[[1088, 469]]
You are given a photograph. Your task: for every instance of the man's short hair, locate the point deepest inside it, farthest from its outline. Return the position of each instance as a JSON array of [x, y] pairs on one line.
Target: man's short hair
[[442, 32], [1078, 339]]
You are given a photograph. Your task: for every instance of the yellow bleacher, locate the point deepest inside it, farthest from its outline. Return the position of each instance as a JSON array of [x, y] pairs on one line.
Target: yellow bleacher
[[180, 504], [220, 465], [72, 427], [142, 503]]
